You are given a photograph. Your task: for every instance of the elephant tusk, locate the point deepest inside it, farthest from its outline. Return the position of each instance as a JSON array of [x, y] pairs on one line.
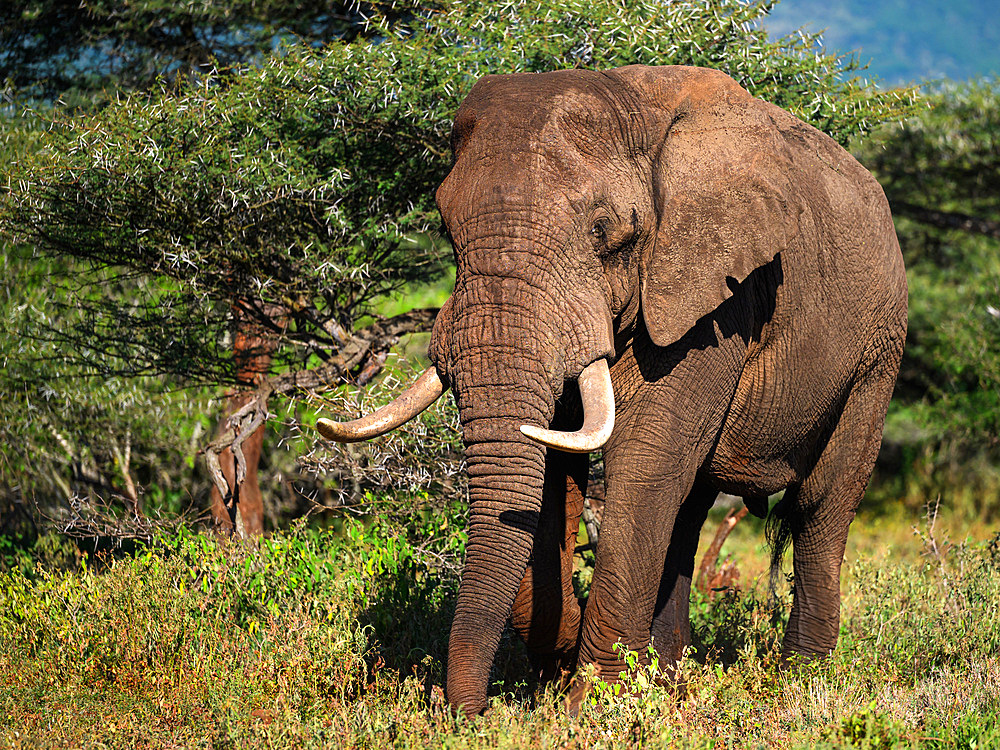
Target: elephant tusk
[[598, 414], [424, 392]]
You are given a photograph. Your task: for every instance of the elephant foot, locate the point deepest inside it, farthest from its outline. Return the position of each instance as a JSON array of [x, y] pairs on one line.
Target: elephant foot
[[674, 682], [792, 659], [554, 668], [579, 691], [581, 686]]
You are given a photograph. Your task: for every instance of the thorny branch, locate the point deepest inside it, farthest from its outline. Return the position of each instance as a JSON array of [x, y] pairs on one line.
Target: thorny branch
[[712, 578], [364, 354]]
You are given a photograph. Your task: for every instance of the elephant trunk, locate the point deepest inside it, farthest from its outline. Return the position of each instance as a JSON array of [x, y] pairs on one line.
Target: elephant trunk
[[507, 351], [505, 505], [506, 474]]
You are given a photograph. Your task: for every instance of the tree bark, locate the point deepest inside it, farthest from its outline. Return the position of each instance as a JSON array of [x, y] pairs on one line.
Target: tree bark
[[241, 510]]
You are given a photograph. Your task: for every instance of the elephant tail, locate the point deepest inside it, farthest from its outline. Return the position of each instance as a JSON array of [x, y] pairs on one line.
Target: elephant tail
[[778, 533]]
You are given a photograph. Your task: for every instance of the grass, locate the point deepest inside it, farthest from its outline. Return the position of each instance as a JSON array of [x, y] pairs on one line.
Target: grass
[[316, 639]]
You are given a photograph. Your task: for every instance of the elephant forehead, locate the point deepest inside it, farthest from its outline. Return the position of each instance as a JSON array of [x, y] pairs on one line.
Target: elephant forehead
[[504, 190], [534, 144], [526, 93], [535, 110]]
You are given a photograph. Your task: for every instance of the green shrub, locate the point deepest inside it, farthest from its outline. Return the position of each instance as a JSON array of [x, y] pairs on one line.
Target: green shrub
[[940, 612], [336, 637]]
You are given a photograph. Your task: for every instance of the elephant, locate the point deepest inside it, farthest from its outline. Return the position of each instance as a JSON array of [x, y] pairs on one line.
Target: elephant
[[653, 263]]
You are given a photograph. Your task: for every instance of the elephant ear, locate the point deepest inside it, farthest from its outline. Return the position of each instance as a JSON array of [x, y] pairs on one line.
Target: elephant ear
[[721, 189]]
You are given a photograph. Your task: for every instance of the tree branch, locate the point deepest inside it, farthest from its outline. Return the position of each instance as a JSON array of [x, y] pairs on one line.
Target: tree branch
[[376, 338], [366, 350], [124, 459], [946, 219]]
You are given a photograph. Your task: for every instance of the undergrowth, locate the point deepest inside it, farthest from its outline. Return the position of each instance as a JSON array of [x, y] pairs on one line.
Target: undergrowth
[[313, 638]]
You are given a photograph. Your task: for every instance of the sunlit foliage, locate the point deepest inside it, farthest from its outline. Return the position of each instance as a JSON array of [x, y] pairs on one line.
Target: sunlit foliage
[[941, 172]]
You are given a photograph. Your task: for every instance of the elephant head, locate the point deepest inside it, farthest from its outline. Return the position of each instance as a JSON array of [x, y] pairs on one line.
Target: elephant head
[[583, 206]]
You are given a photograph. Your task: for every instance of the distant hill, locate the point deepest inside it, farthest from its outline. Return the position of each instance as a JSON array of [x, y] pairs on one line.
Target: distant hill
[[905, 41]]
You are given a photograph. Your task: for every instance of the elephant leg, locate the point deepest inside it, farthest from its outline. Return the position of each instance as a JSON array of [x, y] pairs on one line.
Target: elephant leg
[[546, 611], [819, 512], [671, 628], [636, 533]]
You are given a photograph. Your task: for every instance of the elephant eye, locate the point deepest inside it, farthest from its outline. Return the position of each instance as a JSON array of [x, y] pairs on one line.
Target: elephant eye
[[600, 230]]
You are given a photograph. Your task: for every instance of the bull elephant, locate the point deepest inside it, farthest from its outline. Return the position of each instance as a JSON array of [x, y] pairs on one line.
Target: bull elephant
[[654, 263]]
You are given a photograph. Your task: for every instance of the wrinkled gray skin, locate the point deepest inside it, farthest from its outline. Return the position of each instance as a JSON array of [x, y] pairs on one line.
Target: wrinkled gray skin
[[740, 272]]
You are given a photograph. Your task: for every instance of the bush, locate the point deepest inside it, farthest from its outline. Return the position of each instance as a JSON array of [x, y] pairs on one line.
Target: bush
[[337, 638]]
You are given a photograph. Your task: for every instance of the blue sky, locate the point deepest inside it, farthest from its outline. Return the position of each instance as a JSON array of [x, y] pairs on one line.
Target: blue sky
[[905, 41]]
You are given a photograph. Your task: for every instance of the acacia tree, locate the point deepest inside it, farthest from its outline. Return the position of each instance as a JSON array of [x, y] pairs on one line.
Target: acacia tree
[[83, 50], [300, 191], [84, 53]]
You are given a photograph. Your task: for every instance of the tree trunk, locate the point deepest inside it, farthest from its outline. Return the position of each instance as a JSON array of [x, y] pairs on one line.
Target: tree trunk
[[249, 502], [252, 350]]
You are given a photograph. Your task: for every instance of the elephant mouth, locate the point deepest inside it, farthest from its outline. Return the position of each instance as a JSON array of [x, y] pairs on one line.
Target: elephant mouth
[[596, 393]]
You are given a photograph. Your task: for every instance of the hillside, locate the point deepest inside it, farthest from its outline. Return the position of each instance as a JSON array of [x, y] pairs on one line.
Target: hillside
[[904, 41]]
